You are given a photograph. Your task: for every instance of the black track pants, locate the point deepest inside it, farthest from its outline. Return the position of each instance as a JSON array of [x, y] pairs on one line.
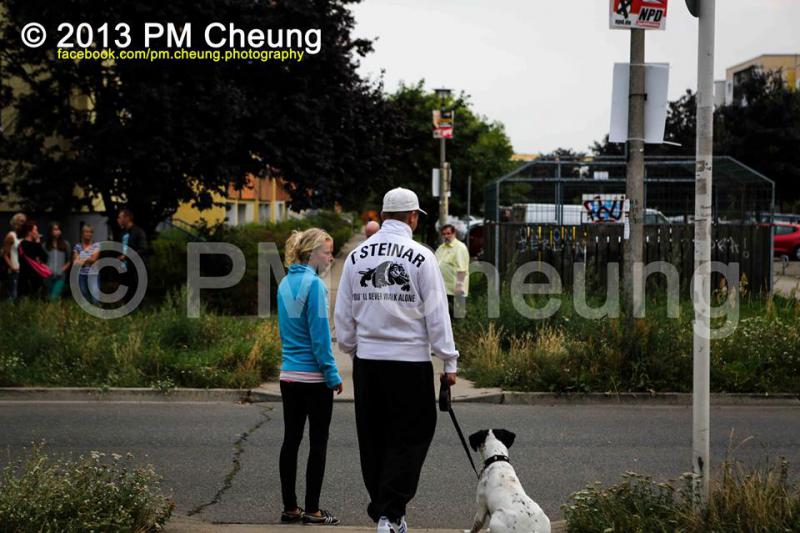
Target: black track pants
[[396, 419]]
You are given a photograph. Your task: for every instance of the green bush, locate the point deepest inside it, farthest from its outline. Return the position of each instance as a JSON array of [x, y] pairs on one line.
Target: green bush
[[636, 505], [167, 266], [741, 501], [94, 493], [60, 344]]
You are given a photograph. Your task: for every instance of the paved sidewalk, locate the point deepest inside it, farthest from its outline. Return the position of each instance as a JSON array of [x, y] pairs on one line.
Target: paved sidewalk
[[186, 525], [463, 390]]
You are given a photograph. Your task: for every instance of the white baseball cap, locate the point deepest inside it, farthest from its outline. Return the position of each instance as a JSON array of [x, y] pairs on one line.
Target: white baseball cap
[[399, 200]]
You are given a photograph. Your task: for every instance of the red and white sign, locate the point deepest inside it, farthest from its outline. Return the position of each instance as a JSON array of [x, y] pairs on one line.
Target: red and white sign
[[443, 122], [443, 132], [638, 14]]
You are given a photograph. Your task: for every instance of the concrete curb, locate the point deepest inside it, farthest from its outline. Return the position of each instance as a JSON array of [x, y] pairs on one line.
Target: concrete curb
[[119, 394], [633, 398]]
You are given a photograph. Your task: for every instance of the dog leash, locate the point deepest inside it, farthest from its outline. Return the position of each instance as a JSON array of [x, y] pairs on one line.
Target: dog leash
[[446, 405]]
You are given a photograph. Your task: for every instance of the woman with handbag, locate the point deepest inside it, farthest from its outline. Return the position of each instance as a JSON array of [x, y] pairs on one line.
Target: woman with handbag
[[32, 261]]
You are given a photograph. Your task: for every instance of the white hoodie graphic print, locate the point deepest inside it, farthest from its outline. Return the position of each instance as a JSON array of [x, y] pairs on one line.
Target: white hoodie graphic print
[[391, 304]]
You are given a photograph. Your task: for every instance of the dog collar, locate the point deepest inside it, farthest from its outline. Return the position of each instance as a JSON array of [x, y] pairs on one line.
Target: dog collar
[[494, 459]]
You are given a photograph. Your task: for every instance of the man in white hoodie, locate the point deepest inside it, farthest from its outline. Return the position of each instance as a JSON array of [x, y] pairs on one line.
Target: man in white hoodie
[[391, 313]]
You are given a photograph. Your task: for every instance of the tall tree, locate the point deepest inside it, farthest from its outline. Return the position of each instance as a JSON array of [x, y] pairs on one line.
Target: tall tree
[[152, 134], [480, 148], [763, 132]]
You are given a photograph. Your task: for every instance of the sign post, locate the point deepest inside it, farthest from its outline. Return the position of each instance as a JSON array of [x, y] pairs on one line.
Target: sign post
[[443, 123], [636, 16]]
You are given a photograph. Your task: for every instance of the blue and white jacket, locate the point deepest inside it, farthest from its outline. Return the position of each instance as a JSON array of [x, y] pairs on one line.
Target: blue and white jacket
[[307, 354]]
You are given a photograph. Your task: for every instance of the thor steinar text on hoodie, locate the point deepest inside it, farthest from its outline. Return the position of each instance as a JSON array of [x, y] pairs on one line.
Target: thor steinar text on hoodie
[[391, 303]]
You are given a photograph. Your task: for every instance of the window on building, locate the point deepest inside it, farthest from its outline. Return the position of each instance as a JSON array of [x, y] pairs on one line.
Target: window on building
[[264, 214], [280, 211], [740, 78]]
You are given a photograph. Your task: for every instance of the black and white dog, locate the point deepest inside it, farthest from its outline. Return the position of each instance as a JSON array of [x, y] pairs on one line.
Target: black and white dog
[[502, 502]]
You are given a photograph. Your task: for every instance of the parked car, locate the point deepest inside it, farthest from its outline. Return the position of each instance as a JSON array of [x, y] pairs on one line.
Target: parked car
[[788, 218], [764, 216], [787, 240]]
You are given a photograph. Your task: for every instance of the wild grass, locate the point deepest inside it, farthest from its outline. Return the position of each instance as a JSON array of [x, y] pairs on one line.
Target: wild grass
[[569, 353], [42, 494], [58, 344], [742, 500]]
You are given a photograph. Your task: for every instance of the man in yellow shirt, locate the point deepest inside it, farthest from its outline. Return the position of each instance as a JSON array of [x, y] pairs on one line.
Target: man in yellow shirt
[[453, 258]]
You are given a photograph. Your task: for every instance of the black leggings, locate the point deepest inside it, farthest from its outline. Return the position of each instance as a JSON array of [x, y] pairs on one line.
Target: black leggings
[[300, 401]]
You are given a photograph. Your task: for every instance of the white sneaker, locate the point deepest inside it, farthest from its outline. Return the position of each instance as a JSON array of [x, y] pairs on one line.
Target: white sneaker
[[383, 525], [399, 527], [386, 526]]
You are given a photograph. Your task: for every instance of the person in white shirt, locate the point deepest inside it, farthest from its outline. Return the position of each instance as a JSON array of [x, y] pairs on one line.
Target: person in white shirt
[[11, 254], [391, 313]]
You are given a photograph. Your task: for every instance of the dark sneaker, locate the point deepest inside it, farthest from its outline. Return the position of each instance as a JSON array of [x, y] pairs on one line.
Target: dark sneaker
[[325, 519], [290, 518]]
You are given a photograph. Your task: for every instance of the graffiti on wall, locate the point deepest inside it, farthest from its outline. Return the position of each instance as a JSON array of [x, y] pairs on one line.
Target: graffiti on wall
[[608, 208]]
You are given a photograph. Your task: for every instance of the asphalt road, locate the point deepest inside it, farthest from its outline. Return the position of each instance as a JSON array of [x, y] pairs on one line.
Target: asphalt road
[[560, 449]]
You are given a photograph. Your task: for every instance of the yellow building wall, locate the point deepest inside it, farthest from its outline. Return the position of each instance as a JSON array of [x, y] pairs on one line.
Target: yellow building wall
[[192, 215], [788, 64], [258, 193], [524, 157]]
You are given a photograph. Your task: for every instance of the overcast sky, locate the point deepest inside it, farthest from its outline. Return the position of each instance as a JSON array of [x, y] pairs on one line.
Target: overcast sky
[[544, 67]]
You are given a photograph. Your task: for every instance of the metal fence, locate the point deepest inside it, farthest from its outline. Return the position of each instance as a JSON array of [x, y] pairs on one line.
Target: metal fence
[[740, 194], [597, 245], [566, 211]]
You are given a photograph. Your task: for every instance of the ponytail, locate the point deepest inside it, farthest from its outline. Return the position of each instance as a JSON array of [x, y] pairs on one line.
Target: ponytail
[[301, 244]]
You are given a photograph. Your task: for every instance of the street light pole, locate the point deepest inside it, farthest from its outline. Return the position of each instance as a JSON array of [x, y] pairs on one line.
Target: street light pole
[[444, 168], [443, 203], [701, 296]]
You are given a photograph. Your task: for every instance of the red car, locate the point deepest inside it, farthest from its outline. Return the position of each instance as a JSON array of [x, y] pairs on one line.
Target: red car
[[787, 240]]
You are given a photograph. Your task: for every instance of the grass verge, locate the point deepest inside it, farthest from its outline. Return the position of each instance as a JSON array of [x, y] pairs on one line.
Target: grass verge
[[58, 344]]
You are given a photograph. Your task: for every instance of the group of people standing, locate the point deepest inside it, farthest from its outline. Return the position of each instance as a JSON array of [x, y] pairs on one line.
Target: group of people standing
[[35, 264], [38, 265], [391, 313]]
